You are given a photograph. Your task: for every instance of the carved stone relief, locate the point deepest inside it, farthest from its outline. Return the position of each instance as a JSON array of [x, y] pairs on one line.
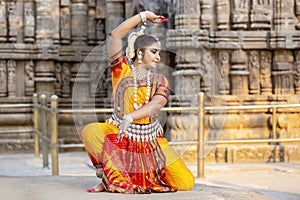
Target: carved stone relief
[[65, 80], [11, 70], [224, 65], [29, 78], [3, 78], [254, 72]]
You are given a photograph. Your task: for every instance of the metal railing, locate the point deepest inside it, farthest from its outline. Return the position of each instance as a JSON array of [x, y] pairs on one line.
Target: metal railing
[[54, 129], [35, 130], [200, 143]]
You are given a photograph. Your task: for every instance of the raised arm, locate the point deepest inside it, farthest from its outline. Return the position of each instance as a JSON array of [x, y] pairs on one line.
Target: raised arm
[[115, 42]]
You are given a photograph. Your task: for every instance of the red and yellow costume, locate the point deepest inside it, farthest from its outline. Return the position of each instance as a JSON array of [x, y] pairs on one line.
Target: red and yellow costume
[[134, 166]]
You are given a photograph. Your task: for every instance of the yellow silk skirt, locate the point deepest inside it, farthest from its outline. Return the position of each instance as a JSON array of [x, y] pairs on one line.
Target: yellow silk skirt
[[175, 173]]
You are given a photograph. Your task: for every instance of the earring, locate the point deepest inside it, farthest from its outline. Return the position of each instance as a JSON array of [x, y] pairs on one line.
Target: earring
[[140, 57]]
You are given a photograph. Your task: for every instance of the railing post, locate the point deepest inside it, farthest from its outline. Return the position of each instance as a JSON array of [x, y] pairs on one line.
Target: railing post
[[200, 146], [36, 125], [54, 135], [43, 121]]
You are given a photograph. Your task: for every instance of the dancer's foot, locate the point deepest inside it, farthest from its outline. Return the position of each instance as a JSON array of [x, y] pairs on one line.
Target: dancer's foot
[[97, 188]]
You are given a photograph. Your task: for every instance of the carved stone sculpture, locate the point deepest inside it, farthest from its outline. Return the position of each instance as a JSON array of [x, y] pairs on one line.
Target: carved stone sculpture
[[254, 72], [11, 70], [66, 80], [223, 64], [30, 78], [3, 79]]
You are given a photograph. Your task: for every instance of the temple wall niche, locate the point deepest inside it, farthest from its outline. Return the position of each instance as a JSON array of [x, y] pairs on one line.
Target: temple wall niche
[[238, 52]]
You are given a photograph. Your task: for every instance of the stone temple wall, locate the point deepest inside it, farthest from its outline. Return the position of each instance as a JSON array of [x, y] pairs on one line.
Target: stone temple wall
[[239, 52]]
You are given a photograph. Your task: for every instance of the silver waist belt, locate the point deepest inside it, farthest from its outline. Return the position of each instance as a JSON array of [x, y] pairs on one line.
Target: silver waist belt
[[139, 132]]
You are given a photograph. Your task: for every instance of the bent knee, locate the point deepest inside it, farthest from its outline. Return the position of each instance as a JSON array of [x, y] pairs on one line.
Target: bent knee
[[89, 130], [187, 183]]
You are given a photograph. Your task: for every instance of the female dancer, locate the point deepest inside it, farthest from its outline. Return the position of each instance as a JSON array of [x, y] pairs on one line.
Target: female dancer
[[129, 146]]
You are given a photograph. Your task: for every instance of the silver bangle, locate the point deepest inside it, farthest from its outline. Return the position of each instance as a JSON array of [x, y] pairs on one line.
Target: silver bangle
[[128, 118], [143, 17]]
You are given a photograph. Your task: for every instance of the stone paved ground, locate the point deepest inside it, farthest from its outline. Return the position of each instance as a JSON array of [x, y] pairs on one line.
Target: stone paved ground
[[23, 177]]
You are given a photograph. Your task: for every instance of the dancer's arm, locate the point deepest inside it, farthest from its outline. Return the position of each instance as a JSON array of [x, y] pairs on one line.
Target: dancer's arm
[[115, 41]]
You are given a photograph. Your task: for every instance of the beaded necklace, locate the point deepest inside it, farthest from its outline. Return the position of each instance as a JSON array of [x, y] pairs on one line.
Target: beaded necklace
[[135, 86]]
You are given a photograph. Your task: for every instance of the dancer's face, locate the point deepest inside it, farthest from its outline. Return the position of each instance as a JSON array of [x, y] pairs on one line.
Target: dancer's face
[[152, 55]]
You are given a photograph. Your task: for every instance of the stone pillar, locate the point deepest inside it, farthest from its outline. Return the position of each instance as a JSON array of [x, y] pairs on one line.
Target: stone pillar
[[115, 14], [29, 21], [15, 13], [284, 15], [65, 22], [81, 74], [44, 76], [261, 15], [3, 78], [100, 20], [223, 14], [238, 73], [265, 72], [207, 14], [79, 26], [91, 31], [240, 14], [282, 72], [3, 21], [44, 22], [187, 14]]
